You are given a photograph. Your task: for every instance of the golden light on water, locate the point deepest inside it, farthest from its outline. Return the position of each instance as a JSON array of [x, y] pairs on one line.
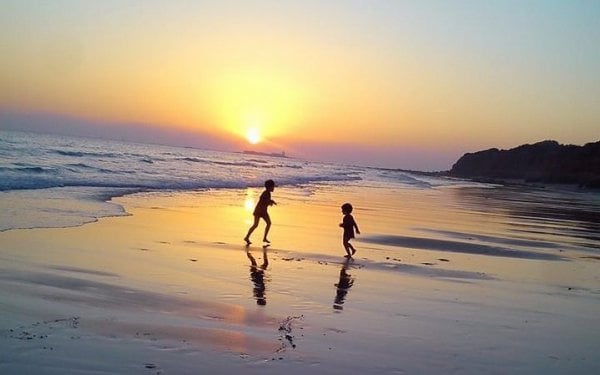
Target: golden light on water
[[249, 204], [249, 201]]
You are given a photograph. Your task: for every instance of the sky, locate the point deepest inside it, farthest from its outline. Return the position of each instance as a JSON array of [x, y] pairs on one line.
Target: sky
[[398, 84]]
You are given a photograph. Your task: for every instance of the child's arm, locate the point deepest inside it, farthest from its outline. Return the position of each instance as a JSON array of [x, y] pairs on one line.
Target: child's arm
[[356, 227]]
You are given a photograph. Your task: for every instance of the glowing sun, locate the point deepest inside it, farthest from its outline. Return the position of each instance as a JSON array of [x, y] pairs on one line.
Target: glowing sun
[[253, 136]]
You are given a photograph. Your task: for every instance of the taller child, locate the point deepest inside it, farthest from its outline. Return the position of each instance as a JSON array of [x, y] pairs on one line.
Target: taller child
[[261, 211]]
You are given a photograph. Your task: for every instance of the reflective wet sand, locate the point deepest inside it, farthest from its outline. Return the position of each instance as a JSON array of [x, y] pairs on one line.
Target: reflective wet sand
[[465, 280]]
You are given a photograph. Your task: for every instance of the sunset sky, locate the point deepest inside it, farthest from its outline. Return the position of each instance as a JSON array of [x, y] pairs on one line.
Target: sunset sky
[[406, 84]]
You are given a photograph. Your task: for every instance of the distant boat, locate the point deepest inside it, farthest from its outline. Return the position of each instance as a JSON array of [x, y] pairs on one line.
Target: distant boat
[[274, 154]]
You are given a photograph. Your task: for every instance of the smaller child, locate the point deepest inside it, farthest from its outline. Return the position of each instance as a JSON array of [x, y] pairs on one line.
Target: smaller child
[[349, 225]]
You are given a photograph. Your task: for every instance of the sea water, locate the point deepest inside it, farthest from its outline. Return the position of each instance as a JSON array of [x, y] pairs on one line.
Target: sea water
[[61, 181]]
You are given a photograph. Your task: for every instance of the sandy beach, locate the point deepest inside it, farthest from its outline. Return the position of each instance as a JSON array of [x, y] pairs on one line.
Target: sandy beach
[[171, 289], [138, 140]]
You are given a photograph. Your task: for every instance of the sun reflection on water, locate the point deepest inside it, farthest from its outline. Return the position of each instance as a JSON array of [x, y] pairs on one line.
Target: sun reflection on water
[[250, 200]]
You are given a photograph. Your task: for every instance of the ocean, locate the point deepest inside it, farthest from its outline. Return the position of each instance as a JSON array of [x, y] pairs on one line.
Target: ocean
[[60, 181]]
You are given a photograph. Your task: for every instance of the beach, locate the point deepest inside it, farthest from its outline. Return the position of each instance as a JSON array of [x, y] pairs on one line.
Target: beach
[[429, 172], [446, 280]]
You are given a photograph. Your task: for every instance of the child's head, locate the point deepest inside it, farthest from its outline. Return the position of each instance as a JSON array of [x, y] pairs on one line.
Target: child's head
[[346, 208], [270, 185]]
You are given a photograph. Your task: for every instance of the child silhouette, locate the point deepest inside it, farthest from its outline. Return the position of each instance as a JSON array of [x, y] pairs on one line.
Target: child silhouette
[[349, 226], [261, 211]]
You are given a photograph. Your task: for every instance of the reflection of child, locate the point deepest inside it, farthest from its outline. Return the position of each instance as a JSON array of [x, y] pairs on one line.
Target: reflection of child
[[261, 211], [257, 275], [343, 286], [349, 225]]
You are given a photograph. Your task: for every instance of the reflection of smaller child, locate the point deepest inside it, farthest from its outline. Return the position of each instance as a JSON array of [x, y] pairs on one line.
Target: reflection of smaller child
[[343, 286], [349, 225]]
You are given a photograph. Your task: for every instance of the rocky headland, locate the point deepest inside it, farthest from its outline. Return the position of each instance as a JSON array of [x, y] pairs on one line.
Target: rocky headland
[[542, 162]]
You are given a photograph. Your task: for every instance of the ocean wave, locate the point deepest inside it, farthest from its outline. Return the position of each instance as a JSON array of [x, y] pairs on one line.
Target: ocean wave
[[193, 160], [240, 164], [48, 208], [26, 170], [85, 153], [83, 168], [27, 184], [80, 165], [113, 180], [258, 161], [290, 166]]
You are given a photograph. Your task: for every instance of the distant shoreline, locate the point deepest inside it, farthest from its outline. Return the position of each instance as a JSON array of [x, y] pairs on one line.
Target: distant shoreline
[[546, 162]]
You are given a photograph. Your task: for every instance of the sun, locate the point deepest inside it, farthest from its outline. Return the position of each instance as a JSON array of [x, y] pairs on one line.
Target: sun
[[253, 136]]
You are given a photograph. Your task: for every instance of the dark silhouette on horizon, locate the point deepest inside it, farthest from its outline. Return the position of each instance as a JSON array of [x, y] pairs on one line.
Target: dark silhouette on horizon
[[343, 286], [542, 162], [257, 276]]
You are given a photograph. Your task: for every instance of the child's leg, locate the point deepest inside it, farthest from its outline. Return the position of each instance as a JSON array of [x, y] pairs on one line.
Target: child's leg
[[347, 247], [252, 228], [268, 221], [351, 248]]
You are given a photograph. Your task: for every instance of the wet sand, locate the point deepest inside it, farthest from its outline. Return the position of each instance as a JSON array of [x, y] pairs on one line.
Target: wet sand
[[445, 281]]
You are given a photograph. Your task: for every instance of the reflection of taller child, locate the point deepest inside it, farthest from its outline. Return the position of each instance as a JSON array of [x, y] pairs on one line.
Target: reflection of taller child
[[349, 225], [261, 211], [257, 275]]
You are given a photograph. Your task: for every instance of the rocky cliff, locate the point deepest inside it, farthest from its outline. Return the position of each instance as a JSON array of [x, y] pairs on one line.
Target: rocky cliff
[[545, 162]]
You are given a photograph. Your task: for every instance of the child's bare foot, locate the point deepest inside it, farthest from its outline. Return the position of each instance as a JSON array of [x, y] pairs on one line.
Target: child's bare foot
[[247, 241], [348, 256], [265, 240], [353, 251]]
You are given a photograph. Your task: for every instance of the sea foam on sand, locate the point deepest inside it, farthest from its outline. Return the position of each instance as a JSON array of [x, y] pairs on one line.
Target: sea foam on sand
[[444, 282]]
